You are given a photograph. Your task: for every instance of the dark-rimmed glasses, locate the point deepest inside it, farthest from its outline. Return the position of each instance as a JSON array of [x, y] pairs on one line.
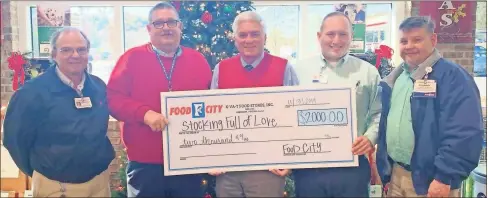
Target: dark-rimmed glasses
[[170, 23]]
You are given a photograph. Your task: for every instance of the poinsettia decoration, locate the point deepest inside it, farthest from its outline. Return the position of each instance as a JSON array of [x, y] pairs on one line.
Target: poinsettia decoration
[[23, 68]]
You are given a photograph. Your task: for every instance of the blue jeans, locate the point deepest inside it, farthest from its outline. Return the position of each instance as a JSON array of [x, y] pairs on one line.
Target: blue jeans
[[148, 180]]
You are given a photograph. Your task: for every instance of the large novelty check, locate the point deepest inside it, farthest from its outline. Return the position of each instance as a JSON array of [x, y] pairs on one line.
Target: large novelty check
[[258, 129]]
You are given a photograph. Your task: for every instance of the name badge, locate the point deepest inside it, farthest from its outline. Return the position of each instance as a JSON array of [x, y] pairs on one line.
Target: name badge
[[315, 79], [82, 103], [424, 88]]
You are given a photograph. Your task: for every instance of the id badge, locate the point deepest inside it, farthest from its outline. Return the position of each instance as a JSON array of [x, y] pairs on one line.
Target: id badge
[[82, 103], [323, 79], [315, 79], [424, 88]]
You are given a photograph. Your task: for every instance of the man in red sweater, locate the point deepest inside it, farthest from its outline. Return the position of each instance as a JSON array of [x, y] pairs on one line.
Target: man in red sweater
[[251, 68], [133, 92]]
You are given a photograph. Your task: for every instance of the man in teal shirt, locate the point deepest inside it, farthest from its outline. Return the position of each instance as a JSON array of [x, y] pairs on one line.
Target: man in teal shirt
[[336, 66], [430, 133]]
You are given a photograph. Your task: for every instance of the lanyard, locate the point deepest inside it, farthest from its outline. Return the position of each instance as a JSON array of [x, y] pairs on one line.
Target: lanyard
[[168, 77]]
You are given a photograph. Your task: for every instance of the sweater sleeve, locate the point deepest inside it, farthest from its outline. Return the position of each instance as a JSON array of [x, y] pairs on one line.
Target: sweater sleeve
[[122, 106], [207, 72]]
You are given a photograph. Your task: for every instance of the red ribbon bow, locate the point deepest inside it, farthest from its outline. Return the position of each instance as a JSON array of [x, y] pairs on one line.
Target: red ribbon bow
[[16, 62], [383, 52]]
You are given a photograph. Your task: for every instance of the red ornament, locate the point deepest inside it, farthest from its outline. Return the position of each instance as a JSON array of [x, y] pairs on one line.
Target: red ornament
[[383, 52], [16, 62], [207, 196], [177, 5], [206, 17]]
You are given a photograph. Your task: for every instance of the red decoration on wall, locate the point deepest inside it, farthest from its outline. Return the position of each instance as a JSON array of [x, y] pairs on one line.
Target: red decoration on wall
[[453, 19], [16, 62], [206, 17], [383, 52]]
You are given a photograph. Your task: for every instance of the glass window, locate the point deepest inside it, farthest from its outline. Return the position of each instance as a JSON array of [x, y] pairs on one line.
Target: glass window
[[135, 21], [378, 18], [98, 25], [281, 29], [97, 22], [480, 41]]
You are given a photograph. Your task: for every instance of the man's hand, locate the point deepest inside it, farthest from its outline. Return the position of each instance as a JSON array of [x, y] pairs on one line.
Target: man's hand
[[280, 172], [438, 189], [216, 173], [156, 121], [362, 146]]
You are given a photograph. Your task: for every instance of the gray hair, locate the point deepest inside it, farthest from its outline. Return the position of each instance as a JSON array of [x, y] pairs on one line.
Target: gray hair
[[161, 6], [55, 36], [417, 22], [336, 13], [248, 16]]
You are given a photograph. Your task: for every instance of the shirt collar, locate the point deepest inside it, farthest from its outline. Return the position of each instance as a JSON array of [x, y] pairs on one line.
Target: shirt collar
[[68, 82], [178, 53], [255, 63], [340, 62], [420, 70]]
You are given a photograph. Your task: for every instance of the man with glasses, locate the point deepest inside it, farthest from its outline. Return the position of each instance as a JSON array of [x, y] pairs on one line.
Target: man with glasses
[[133, 92], [56, 124]]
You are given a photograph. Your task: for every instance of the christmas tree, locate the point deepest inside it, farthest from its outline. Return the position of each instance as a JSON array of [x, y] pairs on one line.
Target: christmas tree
[[207, 26]]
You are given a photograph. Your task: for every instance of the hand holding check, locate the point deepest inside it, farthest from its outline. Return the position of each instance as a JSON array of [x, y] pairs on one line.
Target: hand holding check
[[156, 121]]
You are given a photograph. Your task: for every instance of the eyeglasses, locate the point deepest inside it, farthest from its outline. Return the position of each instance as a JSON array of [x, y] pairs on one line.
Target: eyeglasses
[[69, 51], [170, 23]]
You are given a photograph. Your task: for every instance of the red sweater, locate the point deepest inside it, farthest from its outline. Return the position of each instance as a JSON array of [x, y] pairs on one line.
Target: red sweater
[[268, 73], [134, 88]]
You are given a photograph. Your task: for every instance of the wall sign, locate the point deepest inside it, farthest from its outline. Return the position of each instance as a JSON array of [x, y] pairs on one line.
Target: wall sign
[[453, 19]]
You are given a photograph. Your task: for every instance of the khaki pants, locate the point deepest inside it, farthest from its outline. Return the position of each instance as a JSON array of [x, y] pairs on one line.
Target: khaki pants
[[260, 183], [99, 186], [401, 184]]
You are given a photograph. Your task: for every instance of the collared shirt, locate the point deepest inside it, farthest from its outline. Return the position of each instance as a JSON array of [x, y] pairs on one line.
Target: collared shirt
[[160, 52], [70, 83], [349, 70], [399, 130], [290, 78], [400, 136]]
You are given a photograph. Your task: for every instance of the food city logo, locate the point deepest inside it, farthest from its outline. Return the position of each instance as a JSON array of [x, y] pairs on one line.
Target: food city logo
[[197, 110]]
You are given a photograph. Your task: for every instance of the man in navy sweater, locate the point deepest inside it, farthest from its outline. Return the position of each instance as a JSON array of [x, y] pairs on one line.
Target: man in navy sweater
[[430, 133], [56, 124]]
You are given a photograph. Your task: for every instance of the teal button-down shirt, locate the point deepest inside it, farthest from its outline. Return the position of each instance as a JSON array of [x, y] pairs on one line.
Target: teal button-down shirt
[[400, 137], [349, 70]]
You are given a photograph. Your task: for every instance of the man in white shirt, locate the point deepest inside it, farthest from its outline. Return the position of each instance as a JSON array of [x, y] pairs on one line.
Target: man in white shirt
[[336, 66]]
